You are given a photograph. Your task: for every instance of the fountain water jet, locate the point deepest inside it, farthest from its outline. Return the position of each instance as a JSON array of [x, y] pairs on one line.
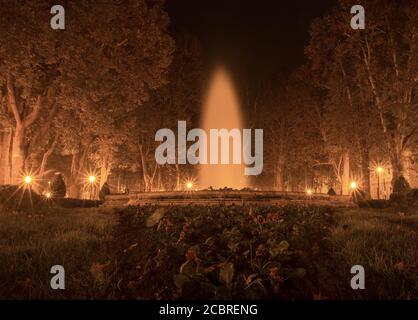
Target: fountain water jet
[[221, 110]]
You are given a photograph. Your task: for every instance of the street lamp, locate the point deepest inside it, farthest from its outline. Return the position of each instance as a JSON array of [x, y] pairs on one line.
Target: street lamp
[[309, 192], [379, 171], [28, 180], [353, 185], [189, 185], [91, 180], [48, 195]]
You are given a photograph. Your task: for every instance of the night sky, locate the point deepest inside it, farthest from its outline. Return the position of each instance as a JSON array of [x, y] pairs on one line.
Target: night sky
[[255, 39]]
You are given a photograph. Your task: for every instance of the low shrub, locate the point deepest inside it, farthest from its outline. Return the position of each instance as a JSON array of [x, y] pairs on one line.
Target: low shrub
[[399, 200], [412, 198], [219, 252], [104, 191], [76, 203], [401, 185], [15, 199], [58, 188], [358, 196], [374, 203]]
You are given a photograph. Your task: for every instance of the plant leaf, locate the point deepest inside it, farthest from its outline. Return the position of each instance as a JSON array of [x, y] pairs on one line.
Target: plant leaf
[[226, 273], [155, 218]]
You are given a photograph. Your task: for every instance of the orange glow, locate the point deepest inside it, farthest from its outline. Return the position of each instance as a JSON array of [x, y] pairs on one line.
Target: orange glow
[[27, 179], [221, 110], [353, 185]]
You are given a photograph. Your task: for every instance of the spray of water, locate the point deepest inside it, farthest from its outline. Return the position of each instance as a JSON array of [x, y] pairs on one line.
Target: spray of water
[[221, 110]]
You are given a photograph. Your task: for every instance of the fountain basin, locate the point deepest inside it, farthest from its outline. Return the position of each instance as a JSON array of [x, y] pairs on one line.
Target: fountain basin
[[221, 197]]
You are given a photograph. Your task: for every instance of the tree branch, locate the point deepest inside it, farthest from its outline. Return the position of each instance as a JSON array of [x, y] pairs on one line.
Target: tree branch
[[12, 102], [34, 113]]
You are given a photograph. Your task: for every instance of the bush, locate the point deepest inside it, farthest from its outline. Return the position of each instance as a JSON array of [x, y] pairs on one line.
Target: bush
[[77, 203], [401, 185], [331, 192], [412, 198], [219, 252], [399, 196], [19, 199], [375, 203], [358, 196], [58, 188], [104, 191]]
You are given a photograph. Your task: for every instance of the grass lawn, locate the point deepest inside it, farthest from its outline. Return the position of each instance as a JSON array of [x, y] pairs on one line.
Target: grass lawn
[[385, 243], [31, 245]]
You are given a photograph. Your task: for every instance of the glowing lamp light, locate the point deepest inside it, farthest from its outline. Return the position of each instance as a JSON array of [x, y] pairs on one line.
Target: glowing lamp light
[[48, 195], [189, 185], [27, 179], [379, 169], [92, 179], [309, 192], [353, 185]]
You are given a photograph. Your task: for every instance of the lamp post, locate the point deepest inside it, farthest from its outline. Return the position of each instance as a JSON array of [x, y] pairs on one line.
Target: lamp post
[[27, 180], [92, 179], [379, 170]]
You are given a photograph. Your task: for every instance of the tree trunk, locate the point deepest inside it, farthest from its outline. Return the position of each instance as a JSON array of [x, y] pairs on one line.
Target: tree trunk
[[73, 187], [345, 182], [145, 174], [279, 175], [77, 171], [18, 155], [46, 156], [397, 166], [365, 170], [178, 181], [5, 156], [104, 172], [159, 181], [281, 160], [22, 124]]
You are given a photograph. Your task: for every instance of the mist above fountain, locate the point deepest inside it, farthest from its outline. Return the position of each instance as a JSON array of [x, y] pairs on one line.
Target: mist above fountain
[[221, 110]]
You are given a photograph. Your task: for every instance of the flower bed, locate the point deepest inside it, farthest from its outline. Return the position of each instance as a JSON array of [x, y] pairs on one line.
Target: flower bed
[[234, 252]]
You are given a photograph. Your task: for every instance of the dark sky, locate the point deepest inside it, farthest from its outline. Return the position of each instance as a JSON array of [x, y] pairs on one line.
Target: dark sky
[[253, 38]]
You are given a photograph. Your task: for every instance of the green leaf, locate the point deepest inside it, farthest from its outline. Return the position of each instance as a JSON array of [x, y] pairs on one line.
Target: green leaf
[[283, 246], [189, 267], [180, 280], [299, 273], [155, 218], [278, 248], [226, 274]]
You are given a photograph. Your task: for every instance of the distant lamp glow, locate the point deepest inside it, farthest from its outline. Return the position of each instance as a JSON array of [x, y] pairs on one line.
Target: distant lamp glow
[[309, 192], [189, 185], [353, 185], [92, 179], [379, 169], [48, 195], [27, 179]]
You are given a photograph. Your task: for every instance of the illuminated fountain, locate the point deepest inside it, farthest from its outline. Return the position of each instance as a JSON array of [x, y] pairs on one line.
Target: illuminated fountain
[[221, 110]]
